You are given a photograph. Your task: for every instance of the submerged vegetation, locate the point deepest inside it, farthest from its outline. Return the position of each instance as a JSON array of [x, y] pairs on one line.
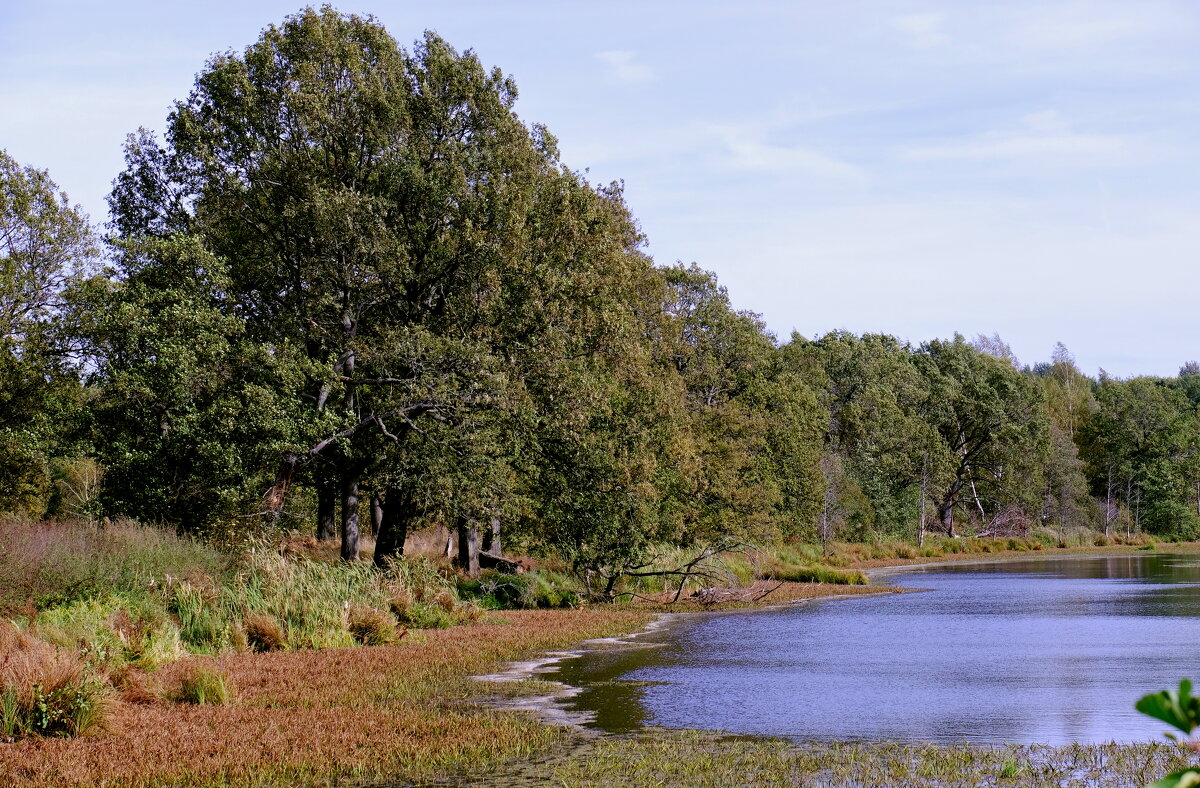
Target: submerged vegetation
[[695, 758]]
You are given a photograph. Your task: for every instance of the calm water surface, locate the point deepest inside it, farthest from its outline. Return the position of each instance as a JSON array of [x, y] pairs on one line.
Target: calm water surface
[[1050, 650]]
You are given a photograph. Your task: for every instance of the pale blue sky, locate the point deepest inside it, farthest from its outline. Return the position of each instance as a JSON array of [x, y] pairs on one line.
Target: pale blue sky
[[1024, 167]]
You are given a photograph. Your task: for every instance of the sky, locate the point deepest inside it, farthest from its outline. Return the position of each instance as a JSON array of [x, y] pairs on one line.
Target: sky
[[1027, 168]]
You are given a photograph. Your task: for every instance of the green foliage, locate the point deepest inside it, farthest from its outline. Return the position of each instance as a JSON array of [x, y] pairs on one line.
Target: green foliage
[[188, 416], [45, 243], [1180, 710], [1142, 448], [1175, 707], [534, 589]]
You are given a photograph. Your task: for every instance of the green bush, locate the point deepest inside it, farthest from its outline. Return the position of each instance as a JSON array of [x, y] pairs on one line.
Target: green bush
[[539, 588]]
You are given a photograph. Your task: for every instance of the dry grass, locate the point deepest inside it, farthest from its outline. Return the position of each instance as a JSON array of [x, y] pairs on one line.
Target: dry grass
[[390, 712], [50, 563], [863, 562]]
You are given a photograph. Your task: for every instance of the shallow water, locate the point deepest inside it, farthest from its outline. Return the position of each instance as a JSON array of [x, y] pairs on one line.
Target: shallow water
[[1046, 650]]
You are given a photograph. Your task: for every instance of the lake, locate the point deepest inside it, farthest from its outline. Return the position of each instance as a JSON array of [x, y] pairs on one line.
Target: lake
[[1045, 650]]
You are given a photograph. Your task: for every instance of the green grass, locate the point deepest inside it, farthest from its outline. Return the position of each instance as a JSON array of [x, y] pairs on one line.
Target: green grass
[[203, 685]]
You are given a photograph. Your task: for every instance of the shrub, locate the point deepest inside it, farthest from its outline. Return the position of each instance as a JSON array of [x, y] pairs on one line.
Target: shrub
[[501, 591], [370, 626], [203, 685], [263, 632], [44, 691]]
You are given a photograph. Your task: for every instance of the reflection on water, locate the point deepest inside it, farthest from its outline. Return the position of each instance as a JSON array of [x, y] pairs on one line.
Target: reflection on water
[[1049, 650]]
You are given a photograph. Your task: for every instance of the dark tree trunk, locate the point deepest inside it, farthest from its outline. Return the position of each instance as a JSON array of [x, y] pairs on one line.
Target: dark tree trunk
[[946, 513], [376, 513], [393, 527], [468, 546], [491, 539], [350, 516], [277, 495], [326, 509]]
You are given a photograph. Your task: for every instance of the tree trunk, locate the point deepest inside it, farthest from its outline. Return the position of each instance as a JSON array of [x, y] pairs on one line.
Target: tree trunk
[[946, 513], [468, 546], [921, 521], [491, 539], [350, 516], [326, 509], [277, 496], [393, 527], [376, 513]]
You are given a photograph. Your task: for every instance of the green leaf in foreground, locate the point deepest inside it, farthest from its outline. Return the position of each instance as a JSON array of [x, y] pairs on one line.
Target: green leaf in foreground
[[1184, 778], [1174, 707]]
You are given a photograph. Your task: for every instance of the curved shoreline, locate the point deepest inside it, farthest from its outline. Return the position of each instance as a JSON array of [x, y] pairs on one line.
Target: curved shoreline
[[548, 707]]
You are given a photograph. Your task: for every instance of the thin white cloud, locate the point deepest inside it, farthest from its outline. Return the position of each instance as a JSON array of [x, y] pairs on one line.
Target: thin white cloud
[[1044, 137], [623, 68], [756, 156], [1090, 25], [923, 30]]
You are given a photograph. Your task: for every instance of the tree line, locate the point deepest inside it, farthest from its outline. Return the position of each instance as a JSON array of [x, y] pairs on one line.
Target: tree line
[[348, 281]]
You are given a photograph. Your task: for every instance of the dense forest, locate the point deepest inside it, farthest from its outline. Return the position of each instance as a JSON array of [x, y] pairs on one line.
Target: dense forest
[[349, 288]]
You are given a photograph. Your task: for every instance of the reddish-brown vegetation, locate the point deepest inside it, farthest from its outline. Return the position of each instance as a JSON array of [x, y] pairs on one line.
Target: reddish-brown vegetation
[[382, 712]]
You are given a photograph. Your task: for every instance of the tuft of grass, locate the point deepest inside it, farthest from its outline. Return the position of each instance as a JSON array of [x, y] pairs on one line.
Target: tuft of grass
[[263, 632], [203, 685], [44, 690], [371, 626]]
